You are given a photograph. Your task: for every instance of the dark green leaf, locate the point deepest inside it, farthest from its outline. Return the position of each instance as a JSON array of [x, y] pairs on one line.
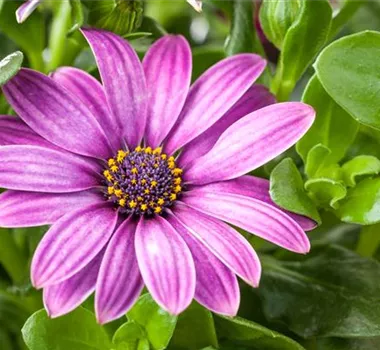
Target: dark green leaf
[[195, 330], [204, 57], [10, 65], [333, 127], [287, 190], [250, 335], [361, 206], [360, 166], [75, 331], [302, 42], [349, 344], [349, 71], [157, 324], [330, 292]]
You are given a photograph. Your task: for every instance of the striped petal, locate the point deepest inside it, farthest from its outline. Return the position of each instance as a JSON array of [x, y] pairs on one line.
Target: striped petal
[[64, 297], [217, 287], [55, 114], [91, 93], [37, 169], [251, 142], [123, 80], [119, 283], [166, 264], [29, 209], [71, 243], [212, 95], [223, 241], [26, 9], [252, 215], [255, 98], [167, 66]]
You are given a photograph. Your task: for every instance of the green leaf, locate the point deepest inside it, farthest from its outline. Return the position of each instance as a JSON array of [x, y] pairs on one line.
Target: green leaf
[[348, 344], [130, 336], [77, 15], [325, 191], [361, 206], [316, 159], [287, 190], [156, 323], [251, 335], [359, 166], [276, 17], [119, 16], [203, 58], [333, 127], [331, 292], [76, 331], [302, 42], [349, 71], [195, 329], [242, 36], [10, 65]]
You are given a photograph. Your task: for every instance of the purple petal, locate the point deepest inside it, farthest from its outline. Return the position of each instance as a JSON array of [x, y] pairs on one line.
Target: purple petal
[[71, 243], [91, 93], [223, 241], [197, 4], [217, 287], [64, 297], [212, 95], [55, 114], [251, 142], [166, 264], [26, 9], [119, 283], [257, 188], [167, 67], [28, 209], [13, 131], [37, 169], [252, 215], [123, 80], [255, 98]]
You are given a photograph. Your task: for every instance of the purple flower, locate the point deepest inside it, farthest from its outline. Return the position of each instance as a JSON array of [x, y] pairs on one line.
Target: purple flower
[[139, 175], [26, 9]]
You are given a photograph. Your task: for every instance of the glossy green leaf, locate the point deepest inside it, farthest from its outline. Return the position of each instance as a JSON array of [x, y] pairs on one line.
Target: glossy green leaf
[[287, 190], [325, 191], [361, 206], [10, 65], [157, 324], [130, 336], [249, 335], [120, 17], [349, 71], [330, 292], [242, 36], [360, 166], [75, 331], [316, 159], [302, 43], [195, 329], [276, 17], [333, 127]]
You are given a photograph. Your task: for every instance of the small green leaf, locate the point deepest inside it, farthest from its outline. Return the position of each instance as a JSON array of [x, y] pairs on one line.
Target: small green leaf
[[195, 329], [130, 336], [276, 17], [333, 127], [302, 42], [360, 166], [287, 190], [251, 335], [330, 292], [76, 331], [349, 71], [325, 191], [361, 206], [316, 159], [157, 323], [10, 65]]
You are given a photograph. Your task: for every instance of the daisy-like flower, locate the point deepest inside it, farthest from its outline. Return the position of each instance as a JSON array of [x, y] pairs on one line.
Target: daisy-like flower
[[26, 9], [139, 177]]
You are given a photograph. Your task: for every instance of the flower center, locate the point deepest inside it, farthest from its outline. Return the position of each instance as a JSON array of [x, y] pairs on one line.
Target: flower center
[[143, 181]]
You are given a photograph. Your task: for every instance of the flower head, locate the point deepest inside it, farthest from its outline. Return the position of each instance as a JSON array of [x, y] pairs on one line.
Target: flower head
[[140, 175], [26, 9]]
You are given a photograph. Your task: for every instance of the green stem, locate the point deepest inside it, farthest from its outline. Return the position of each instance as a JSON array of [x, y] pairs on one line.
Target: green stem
[[11, 257], [369, 240], [36, 60]]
